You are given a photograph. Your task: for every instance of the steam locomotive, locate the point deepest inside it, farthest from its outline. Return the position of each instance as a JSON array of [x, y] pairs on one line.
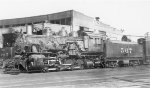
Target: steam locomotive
[[45, 53]]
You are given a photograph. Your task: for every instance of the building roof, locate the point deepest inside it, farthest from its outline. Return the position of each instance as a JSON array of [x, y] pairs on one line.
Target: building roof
[[34, 19]]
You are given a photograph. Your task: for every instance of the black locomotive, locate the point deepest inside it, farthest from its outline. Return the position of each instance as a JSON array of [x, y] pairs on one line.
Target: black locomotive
[[45, 53]]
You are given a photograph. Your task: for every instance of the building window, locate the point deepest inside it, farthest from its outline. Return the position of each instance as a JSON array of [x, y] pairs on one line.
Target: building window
[[6, 26], [52, 21], [64, 21], [84, 28], [57, 21], [68, 21]]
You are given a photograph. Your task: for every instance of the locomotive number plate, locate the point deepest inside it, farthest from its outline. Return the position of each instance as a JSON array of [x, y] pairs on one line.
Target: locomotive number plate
[[126, 50]]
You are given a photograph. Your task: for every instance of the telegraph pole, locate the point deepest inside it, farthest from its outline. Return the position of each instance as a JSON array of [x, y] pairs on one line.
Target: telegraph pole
[[146, 34]]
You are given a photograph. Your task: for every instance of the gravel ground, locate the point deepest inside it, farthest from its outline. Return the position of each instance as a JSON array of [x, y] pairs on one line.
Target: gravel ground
[[125, 77]]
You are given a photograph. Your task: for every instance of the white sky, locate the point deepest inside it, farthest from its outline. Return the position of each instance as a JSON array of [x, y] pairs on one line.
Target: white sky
[[131, 15]]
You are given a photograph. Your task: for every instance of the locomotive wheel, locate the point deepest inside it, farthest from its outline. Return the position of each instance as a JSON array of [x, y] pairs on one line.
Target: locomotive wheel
[[27, 69], [69, 61], [21, 68], [82, 66], [111, 64], [102, 65], [71, 68], [114, 64], [45, 70], [135, 63], [80, 63], [120, 64], [132, 63], [141, 62], [89, 63], [58, 69]]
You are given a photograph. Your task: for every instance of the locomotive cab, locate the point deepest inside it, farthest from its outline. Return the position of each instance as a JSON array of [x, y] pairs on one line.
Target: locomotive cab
[[94, 42]]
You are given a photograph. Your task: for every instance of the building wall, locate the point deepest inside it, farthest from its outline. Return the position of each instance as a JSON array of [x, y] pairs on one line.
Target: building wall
[[111, 32], [34, 19], [60, 15], [57, 27], [12, 29], [54, 27], [1, 41], [4, 30], [82, 20], [77, 20]]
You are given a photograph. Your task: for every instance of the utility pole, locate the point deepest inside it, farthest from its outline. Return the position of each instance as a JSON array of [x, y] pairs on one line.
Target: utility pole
[[145, 49], [146, 34]]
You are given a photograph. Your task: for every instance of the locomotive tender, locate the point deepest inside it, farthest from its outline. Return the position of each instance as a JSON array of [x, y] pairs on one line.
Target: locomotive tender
[[121, 52], [45, 53]]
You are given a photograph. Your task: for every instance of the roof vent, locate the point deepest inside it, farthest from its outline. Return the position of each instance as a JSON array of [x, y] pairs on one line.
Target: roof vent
[[97, 18]]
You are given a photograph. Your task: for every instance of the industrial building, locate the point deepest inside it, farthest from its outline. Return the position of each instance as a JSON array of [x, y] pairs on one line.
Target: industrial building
[[70, 20]]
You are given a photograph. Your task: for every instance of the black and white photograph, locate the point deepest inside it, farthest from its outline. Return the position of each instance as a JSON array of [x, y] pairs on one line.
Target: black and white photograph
[[75, 44]]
